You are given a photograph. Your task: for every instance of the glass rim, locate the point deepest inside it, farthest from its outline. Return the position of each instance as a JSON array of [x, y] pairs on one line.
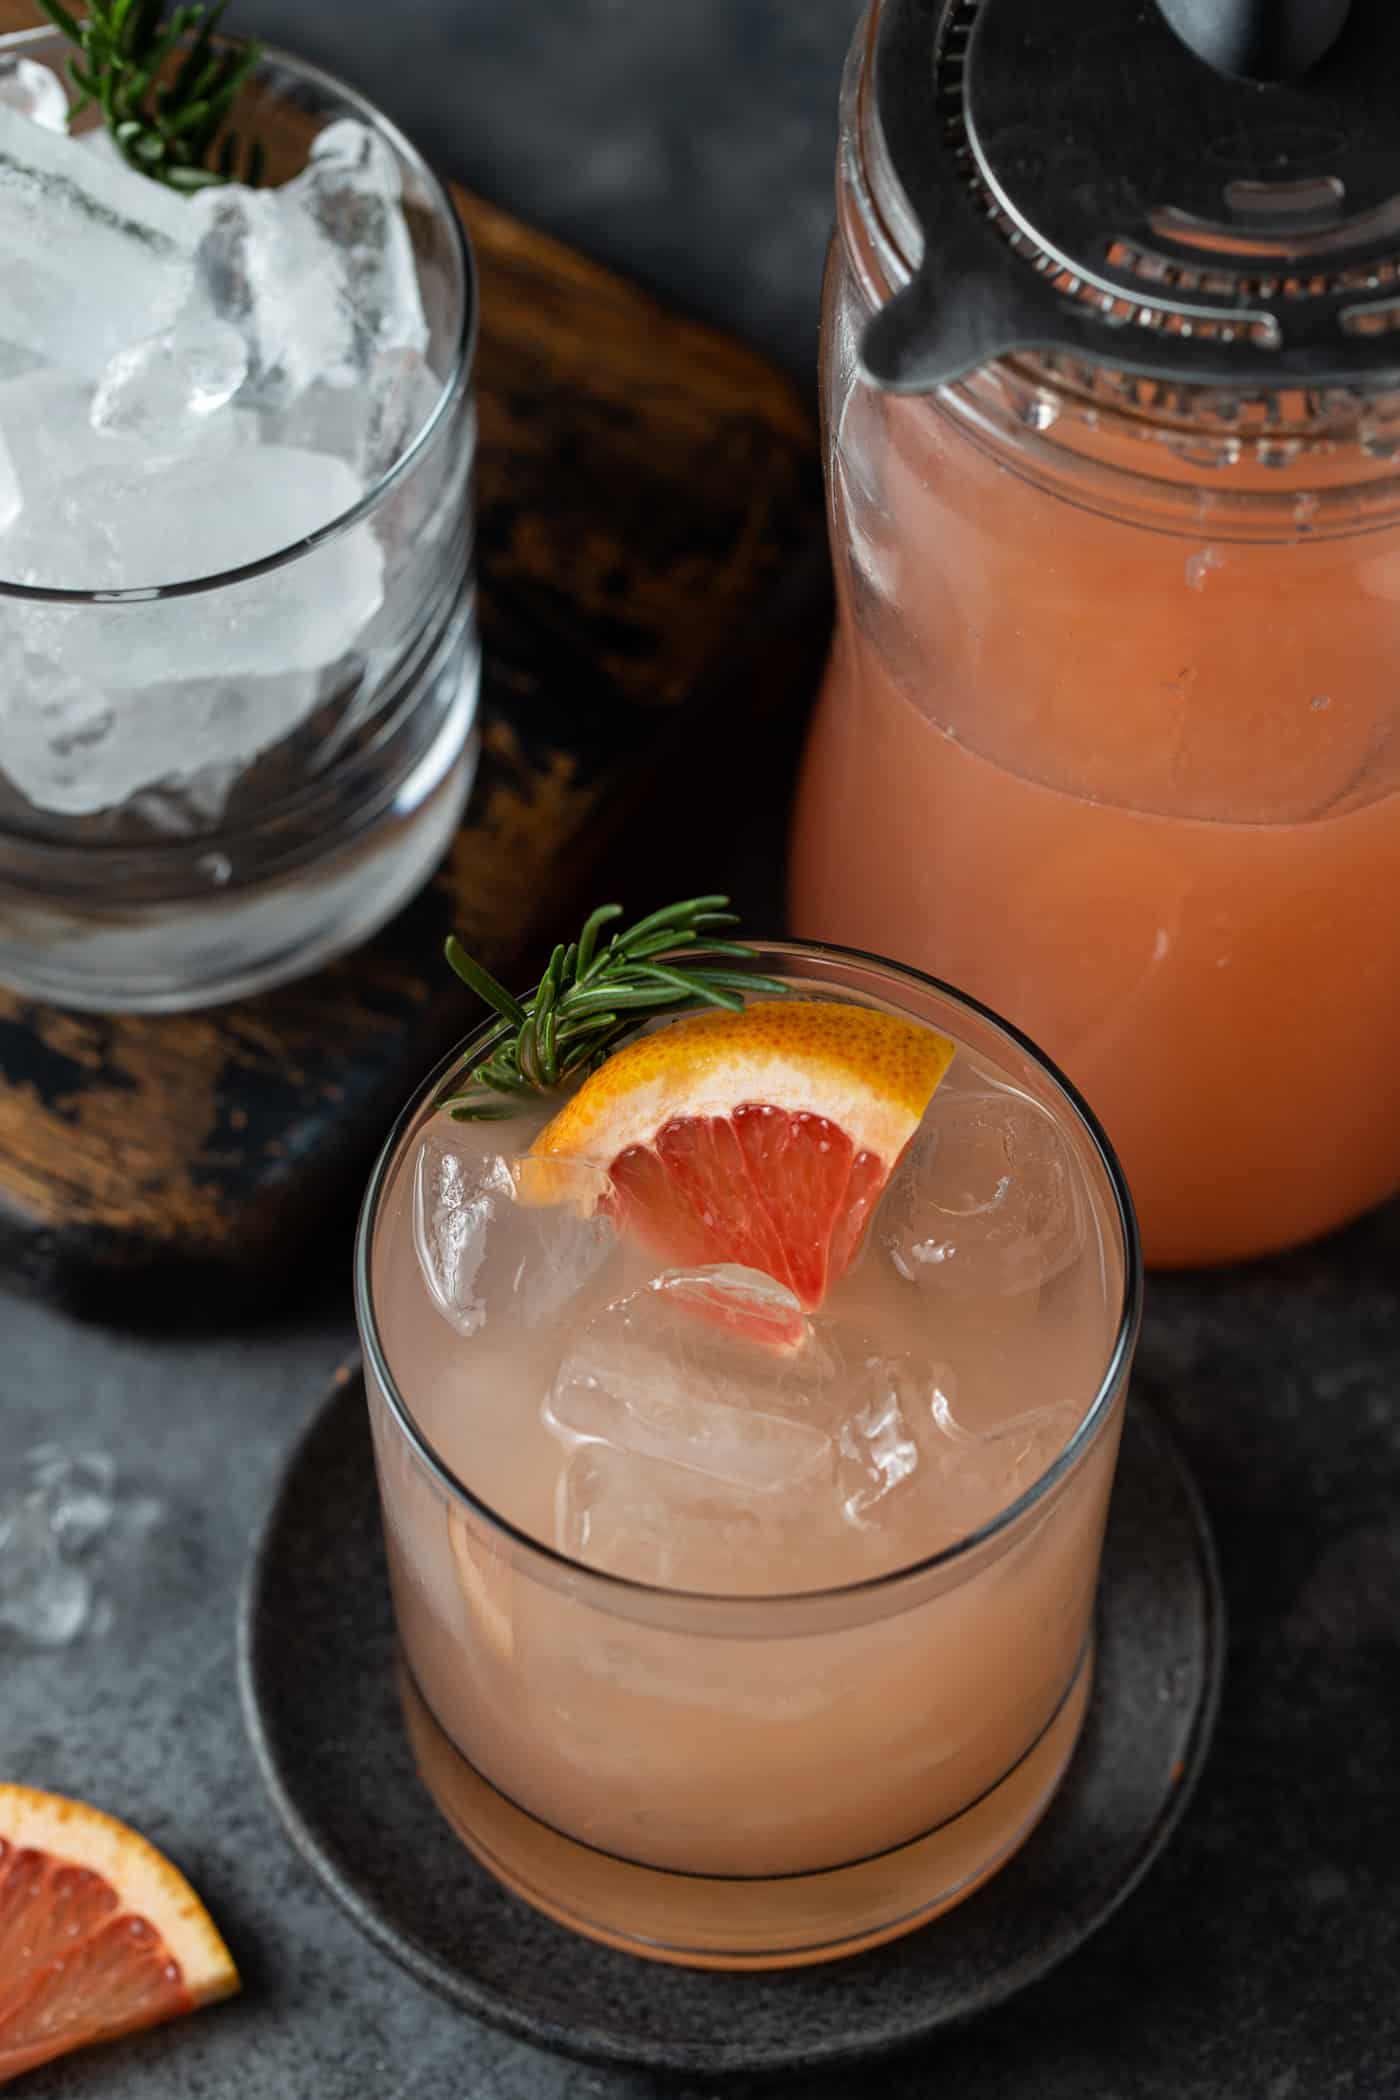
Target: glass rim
[[1066, 1461], [463, 359]]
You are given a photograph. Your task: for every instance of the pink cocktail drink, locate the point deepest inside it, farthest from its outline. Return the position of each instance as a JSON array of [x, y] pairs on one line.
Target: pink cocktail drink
[[732, 1651]]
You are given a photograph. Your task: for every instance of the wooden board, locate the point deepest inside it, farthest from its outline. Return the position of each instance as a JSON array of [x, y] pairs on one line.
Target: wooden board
[[653, 591]]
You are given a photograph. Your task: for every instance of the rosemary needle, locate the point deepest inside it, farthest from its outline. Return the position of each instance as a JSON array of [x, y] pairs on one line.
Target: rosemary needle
[[592, 995], [165, 122]]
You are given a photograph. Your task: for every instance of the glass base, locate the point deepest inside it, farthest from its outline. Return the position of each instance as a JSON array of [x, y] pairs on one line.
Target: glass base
[[704, 1922]]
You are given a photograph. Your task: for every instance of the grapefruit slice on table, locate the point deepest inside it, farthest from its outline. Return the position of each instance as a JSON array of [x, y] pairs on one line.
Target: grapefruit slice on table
[[99, 1935], [761, 1139]]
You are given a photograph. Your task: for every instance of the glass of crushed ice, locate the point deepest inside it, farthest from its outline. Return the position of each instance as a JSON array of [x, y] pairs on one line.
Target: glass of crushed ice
[[737, 1629], [238, 659]]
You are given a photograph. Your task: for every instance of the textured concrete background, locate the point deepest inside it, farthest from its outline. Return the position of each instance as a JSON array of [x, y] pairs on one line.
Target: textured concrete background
[[690, 140]]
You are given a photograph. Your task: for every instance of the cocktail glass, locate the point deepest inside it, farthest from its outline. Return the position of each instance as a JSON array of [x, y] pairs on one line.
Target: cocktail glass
[[711, 1767]]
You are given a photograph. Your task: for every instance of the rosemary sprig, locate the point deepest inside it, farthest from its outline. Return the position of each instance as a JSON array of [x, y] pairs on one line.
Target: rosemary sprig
[[164, 127], [591, 996]]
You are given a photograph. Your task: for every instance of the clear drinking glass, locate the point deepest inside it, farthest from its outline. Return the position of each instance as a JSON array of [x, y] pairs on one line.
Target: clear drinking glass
[[1109, 736], [740, 1780], [344, 662]]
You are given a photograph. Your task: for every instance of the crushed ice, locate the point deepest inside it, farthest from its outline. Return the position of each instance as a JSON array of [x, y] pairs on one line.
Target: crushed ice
[[697, 1451], [56, 1508], [482, 1243], [35, 91], [985, 1200], [188, 385]]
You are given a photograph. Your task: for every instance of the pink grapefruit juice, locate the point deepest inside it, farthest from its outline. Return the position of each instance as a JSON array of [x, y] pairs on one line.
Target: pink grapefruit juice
[[705, 1650], [1138, 790]]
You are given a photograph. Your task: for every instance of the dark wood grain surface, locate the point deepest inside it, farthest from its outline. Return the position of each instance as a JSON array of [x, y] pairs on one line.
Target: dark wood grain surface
[[653, 599]]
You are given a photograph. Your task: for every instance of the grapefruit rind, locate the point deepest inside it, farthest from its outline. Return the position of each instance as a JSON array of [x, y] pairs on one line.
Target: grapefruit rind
[[871, 1073], [145, 1882]]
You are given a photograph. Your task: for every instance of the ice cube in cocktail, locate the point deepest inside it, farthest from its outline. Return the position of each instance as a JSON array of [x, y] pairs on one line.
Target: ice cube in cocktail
[[751, 1584]]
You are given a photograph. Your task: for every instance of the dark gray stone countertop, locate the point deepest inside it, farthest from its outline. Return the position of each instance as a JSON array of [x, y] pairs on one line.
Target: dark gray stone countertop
[[690, 141]]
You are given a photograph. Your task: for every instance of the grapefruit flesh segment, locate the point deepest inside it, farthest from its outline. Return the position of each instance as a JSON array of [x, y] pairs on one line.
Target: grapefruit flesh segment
[[868, 1178], [99, 1935], [763, 1189], [761, 1139], [799, 1167]]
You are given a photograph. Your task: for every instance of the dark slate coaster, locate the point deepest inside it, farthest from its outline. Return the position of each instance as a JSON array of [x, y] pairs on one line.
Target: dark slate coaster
[[655, 605], [317, 1672]]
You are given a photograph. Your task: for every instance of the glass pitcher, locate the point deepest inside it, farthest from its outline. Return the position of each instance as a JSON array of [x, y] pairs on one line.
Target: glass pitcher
[[1108, 734]]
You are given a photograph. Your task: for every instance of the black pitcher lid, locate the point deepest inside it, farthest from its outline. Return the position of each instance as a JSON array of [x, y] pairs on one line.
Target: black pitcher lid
[[1198, 190]]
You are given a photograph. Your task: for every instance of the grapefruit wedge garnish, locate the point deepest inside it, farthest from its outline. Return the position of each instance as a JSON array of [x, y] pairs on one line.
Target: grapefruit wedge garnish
[[99, 1935], [760, 1139]]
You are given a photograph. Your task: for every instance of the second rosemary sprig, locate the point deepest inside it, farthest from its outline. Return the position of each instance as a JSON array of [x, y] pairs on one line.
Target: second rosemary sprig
[[595, 991], [164, 119]]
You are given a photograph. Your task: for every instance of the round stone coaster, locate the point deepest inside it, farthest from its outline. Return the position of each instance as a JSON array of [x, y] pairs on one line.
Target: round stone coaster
[[318, 1682]]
